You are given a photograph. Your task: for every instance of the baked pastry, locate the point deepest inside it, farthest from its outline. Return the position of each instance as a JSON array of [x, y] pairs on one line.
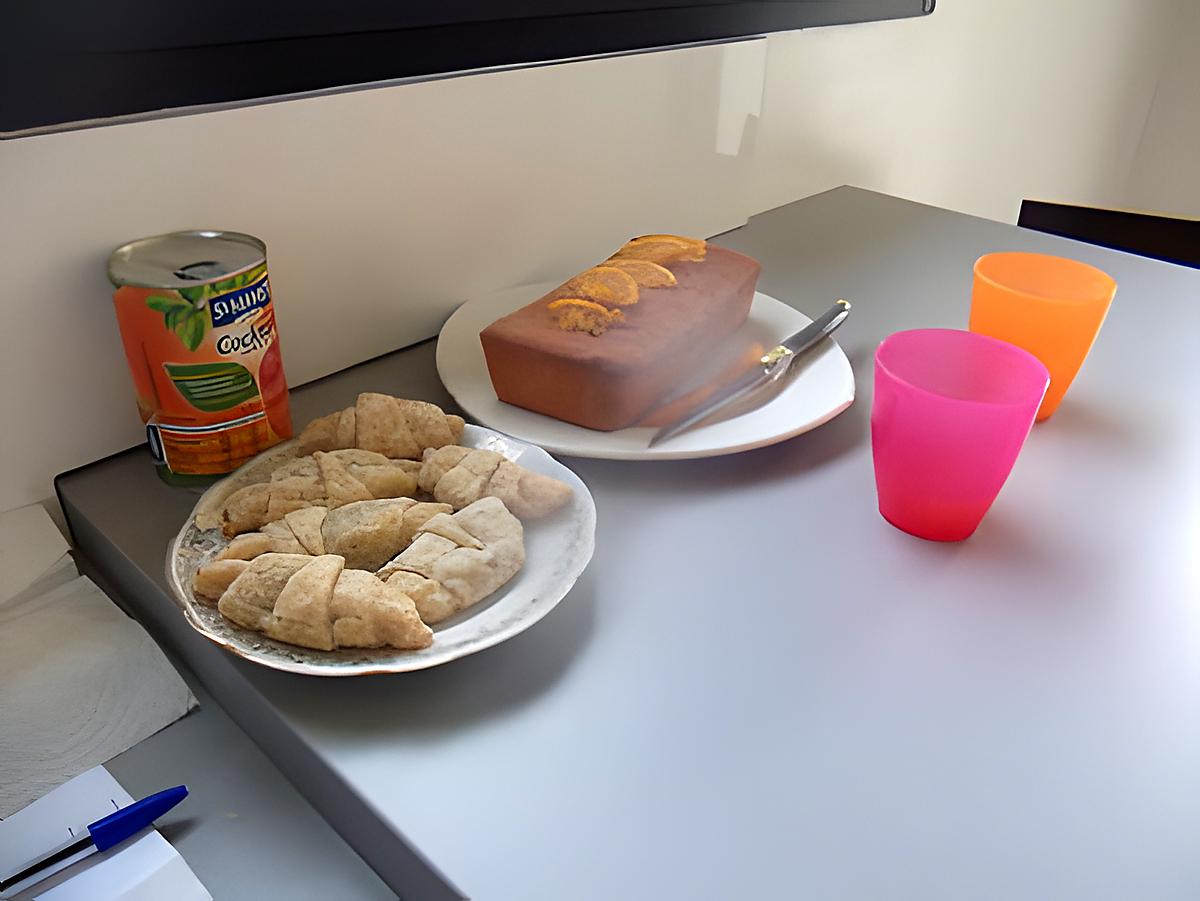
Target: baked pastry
[[378, 428], [322, 480], [212, 579], [450, 562], [315, 602], [306, 524], [380, 475], [605, 347], [457, 560], [370, 533], [329, 547], [461, 475], [384, 424], [366, 533]]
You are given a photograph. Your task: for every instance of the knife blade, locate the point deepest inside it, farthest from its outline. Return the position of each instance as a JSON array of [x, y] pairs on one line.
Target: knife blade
[[770, 368]]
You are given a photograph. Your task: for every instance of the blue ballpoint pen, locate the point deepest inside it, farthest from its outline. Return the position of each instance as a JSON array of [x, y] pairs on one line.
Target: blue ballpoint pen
[[102, 834]]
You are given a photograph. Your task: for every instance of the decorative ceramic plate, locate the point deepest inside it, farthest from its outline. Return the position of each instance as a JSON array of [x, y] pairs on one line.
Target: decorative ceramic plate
[[557, 549], [819, 388]]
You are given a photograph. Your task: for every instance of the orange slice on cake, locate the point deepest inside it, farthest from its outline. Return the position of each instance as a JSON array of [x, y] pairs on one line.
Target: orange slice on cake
[[662, 249], [644, 272], [605, 284], [576, 314], [698, 243]]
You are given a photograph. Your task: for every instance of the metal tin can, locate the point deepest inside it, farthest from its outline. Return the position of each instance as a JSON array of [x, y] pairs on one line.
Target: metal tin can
[[196, 320]]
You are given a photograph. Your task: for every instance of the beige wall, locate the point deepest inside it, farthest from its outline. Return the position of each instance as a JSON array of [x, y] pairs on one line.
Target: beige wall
[[974, 108], [1166, 170], [384, 209]]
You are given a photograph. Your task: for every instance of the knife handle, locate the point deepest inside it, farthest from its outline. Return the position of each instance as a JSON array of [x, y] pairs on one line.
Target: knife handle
[[774, 363], [823, 325]]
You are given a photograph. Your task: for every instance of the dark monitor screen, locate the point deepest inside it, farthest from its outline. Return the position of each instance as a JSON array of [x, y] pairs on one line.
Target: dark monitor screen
[[98, 61]]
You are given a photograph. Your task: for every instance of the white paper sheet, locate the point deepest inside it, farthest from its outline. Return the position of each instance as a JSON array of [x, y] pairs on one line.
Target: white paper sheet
[[149, 869], [79, 680], [145, 868], [58, 816]]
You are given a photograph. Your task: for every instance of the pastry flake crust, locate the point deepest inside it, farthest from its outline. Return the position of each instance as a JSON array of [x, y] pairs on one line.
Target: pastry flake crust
[[328, 479], [315, 602], [369, 533], [444, 574], [391, 426], [459, 476]]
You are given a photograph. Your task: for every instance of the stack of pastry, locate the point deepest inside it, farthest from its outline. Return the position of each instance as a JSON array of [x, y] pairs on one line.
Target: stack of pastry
[[332, 549]]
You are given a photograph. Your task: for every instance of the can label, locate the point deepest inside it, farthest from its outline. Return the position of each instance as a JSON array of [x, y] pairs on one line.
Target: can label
[[207, 370], [226, 309]]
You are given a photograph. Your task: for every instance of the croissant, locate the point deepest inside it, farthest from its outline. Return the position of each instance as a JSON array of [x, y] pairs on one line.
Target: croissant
[[376, 428], [384, 424], [370, 533], [212, 579], [381, 476], [452, 562], [461, 475], [366, 533], [315, 602], [457, 560], [324, 479]]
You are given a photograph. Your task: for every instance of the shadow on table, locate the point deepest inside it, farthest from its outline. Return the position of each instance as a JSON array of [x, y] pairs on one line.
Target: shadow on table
[[492, 683], [1003, 537], [175, 830], [810, 451], [1094, 426]]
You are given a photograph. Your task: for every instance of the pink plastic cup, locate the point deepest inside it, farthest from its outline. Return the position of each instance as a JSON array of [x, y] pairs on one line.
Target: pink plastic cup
[[951, 411]]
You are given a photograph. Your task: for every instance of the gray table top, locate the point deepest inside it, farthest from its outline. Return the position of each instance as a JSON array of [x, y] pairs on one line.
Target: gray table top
[[759, 688], [239, 801]]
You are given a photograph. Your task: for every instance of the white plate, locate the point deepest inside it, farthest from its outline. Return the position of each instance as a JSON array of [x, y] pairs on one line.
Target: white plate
[[821, 387], [557, 549]]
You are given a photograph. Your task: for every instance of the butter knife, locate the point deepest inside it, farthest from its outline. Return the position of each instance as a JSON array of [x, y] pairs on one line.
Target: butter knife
[[771, 368]]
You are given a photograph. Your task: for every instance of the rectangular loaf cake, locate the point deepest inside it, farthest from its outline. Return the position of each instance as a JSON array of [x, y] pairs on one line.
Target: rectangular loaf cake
[[611, 380]]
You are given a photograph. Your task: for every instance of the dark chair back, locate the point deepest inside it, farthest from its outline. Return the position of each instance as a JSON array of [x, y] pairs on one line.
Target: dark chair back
[[1174, 239]]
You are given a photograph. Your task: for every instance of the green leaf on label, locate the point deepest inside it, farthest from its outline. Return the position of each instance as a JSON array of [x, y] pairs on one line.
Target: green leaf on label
[[180, 316], [195, 294], [175, 315], [192, 329], [165, 304], [189, 325], [179, 324], [225, 284]]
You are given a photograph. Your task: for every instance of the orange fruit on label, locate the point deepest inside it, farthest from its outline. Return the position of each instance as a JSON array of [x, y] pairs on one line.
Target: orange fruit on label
[[644, 272], [575, 314], [605, 284]]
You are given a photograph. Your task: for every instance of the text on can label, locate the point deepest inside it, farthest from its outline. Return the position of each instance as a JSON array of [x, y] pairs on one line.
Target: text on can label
[[227, 308]]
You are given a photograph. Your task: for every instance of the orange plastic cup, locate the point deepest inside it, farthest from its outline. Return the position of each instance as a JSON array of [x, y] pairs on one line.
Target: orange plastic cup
[[1050, 306]]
